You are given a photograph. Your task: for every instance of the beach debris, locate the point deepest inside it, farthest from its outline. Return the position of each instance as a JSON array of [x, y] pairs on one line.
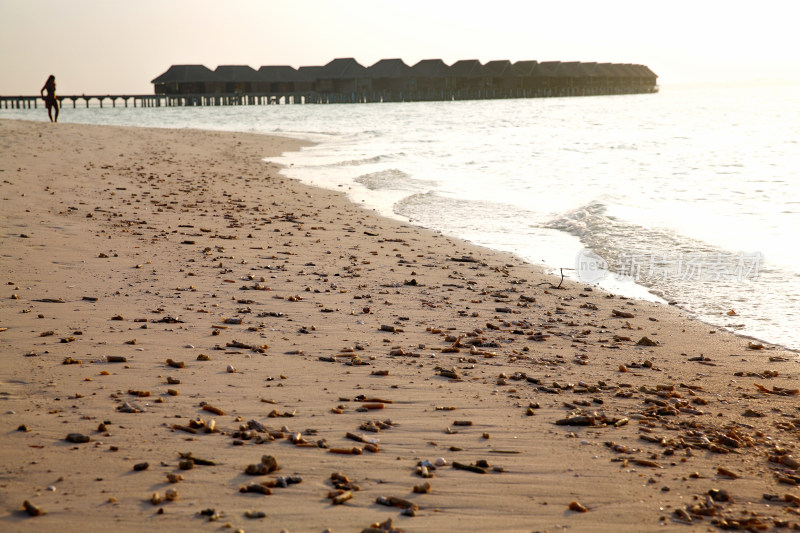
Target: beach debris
[[621, 314], [174, 478], [355, 450], [194, 460], [212, 514], [31, 508], [268, 464], [138, 467], [167, 320], [577, 507], [128, 408], [71, 361], [722, 471], [265, 487], [448, 373], [779, 391], [387, 526], [338, 497], [646, 341], [719, 495], [255, 514], [594, 419], [257, 488], [424, 488], [254, 347], [470, 468], [342, 482], [393, 501], [116, 359], [424, 470], [210, 408], [171, 494], [77, 438]]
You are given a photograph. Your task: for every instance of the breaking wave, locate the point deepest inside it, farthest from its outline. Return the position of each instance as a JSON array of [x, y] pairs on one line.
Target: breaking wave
[[392, 179]]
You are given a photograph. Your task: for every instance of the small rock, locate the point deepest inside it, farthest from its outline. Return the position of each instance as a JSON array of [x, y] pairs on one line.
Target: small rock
[[31, 509], [645, 341], [77, 438], [577, 507]]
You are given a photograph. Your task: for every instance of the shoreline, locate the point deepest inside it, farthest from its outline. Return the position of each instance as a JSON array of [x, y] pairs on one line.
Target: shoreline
[[303, 304]]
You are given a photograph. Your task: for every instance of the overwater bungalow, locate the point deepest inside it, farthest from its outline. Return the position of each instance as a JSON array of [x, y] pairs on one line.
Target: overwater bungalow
[[343, 75], [285, 79], [428, 80], [466, 76], [238, 79], [499, 76], [185, 79], [389, 80]]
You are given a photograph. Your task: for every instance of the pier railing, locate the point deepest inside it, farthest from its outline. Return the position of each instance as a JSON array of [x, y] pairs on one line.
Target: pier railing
[[226, 99]]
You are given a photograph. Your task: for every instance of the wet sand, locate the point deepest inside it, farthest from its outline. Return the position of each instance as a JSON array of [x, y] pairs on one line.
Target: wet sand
[[305, 327]]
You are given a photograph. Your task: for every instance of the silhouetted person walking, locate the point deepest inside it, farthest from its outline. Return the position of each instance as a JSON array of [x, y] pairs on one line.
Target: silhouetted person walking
[[50, 100]]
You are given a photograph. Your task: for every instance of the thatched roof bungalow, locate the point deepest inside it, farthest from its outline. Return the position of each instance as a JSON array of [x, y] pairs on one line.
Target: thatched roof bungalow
[[236, 79], [312, 73], [389, 75], [185, 79], [524, 71], [499, 74], [343, 75], [466, 74], [567, 75], [544, 76], [285, 79], [429, 75], [644, 76], [650, 77]]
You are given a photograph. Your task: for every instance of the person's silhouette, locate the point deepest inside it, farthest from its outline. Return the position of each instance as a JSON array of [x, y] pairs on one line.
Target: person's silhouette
[[50, 100]]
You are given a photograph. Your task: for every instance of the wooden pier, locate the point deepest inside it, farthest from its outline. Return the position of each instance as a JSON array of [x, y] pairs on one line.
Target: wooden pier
[[312, 97], [160, 100], [125, 100]]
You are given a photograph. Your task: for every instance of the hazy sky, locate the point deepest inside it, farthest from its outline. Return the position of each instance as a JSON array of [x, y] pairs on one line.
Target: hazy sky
[[118, 47]]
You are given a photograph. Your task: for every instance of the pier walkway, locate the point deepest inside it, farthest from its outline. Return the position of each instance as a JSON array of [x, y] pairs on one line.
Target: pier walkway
[[311, 97]]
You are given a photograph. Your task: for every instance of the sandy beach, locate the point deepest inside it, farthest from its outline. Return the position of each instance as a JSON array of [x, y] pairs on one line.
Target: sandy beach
[[176, 314]]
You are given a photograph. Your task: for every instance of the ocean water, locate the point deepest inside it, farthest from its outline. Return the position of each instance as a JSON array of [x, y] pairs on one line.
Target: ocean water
[[690, 196]]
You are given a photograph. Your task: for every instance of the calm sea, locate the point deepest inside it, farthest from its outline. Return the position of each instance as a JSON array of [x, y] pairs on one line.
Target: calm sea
[[691, 195]]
